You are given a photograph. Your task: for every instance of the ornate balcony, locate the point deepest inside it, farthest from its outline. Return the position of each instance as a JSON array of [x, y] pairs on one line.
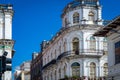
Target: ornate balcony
[[48, 64], [82, 53]]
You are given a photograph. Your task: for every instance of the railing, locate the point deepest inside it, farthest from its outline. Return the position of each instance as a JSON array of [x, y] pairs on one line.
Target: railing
[[5, 6], [48, 64], [89, 52]]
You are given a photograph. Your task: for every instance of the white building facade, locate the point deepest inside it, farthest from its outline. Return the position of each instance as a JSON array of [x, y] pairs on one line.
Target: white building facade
[[6, 42], [24, 72], [112, 31], [74, 51]]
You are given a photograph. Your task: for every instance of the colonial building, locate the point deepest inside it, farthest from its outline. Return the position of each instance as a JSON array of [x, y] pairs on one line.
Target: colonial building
[[6, 42], [36, 67], [24, 72], [112, 32], [74, 51]]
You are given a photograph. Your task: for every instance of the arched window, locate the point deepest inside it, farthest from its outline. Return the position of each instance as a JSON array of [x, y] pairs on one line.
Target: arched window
[[92, 43], [45, 61], [55, 54], [48, 77], [51, 77], [75, 69], [64, 47], [65, 22], [45, 77], [76, 17], [92, 70], [64, 70], [75, 47], [55, 75], [59, 73], [51, 56], [48, 59], [105, 69], [59, 49], [91, 16]]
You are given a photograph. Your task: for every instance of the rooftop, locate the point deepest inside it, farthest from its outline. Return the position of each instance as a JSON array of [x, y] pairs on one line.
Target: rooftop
[[82, 2], [109, 27], [5, 6], [77, 3]]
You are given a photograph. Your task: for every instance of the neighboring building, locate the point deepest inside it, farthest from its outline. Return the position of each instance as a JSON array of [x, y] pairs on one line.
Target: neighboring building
[[74, 51], [34, 55], [112, 32], [24, 72], [17, 75], [6, 42], [36, 67]]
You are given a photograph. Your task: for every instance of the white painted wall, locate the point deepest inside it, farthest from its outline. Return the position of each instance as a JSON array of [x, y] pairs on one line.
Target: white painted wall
[[114, 69], [83, 12]]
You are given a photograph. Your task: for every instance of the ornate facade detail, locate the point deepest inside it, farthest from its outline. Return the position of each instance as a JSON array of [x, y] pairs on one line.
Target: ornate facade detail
[[74, 51]]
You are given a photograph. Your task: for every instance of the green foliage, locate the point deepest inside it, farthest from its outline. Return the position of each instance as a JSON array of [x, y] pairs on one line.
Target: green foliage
[[75, 77], [66, 77]]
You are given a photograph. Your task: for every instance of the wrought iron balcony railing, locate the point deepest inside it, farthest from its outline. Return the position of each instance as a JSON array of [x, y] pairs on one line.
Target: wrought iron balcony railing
[[88, 52], [48, 64]]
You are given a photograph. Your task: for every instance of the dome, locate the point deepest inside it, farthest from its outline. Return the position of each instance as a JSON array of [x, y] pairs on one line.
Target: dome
[[76, 3]]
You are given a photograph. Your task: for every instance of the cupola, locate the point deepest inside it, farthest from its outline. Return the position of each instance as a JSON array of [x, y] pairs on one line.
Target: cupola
[[80, 12]]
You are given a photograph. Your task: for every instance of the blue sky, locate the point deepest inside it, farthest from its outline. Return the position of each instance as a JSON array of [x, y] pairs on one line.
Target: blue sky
[[37, 20]]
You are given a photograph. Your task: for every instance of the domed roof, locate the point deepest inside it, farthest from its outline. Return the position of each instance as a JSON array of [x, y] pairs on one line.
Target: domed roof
[[82, 2], [77, 3]]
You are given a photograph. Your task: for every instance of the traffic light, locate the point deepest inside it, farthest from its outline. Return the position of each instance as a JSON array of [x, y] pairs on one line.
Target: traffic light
[[8, 67], [5, 62], [0, 64]]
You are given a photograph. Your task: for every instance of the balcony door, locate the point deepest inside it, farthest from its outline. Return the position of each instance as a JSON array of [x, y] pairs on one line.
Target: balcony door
[[92, 70]]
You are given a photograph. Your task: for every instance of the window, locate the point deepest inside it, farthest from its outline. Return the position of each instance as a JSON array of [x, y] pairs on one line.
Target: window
[[64, 70], [105, 69], [91, 16], [45, 61], [59, 73], [55, 54], [60, 49], [65, 22], [92, 70], [64, 47], [75, 43], [92, 43], [51, 56], [48, 77], [105, 45], [117, 52], [90, 2], [76, 17], [75, 69], [55, 75], [48, 59], [51, 77]]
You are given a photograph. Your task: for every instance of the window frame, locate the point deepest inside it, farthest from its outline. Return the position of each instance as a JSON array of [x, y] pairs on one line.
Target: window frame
[[76, 18]]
